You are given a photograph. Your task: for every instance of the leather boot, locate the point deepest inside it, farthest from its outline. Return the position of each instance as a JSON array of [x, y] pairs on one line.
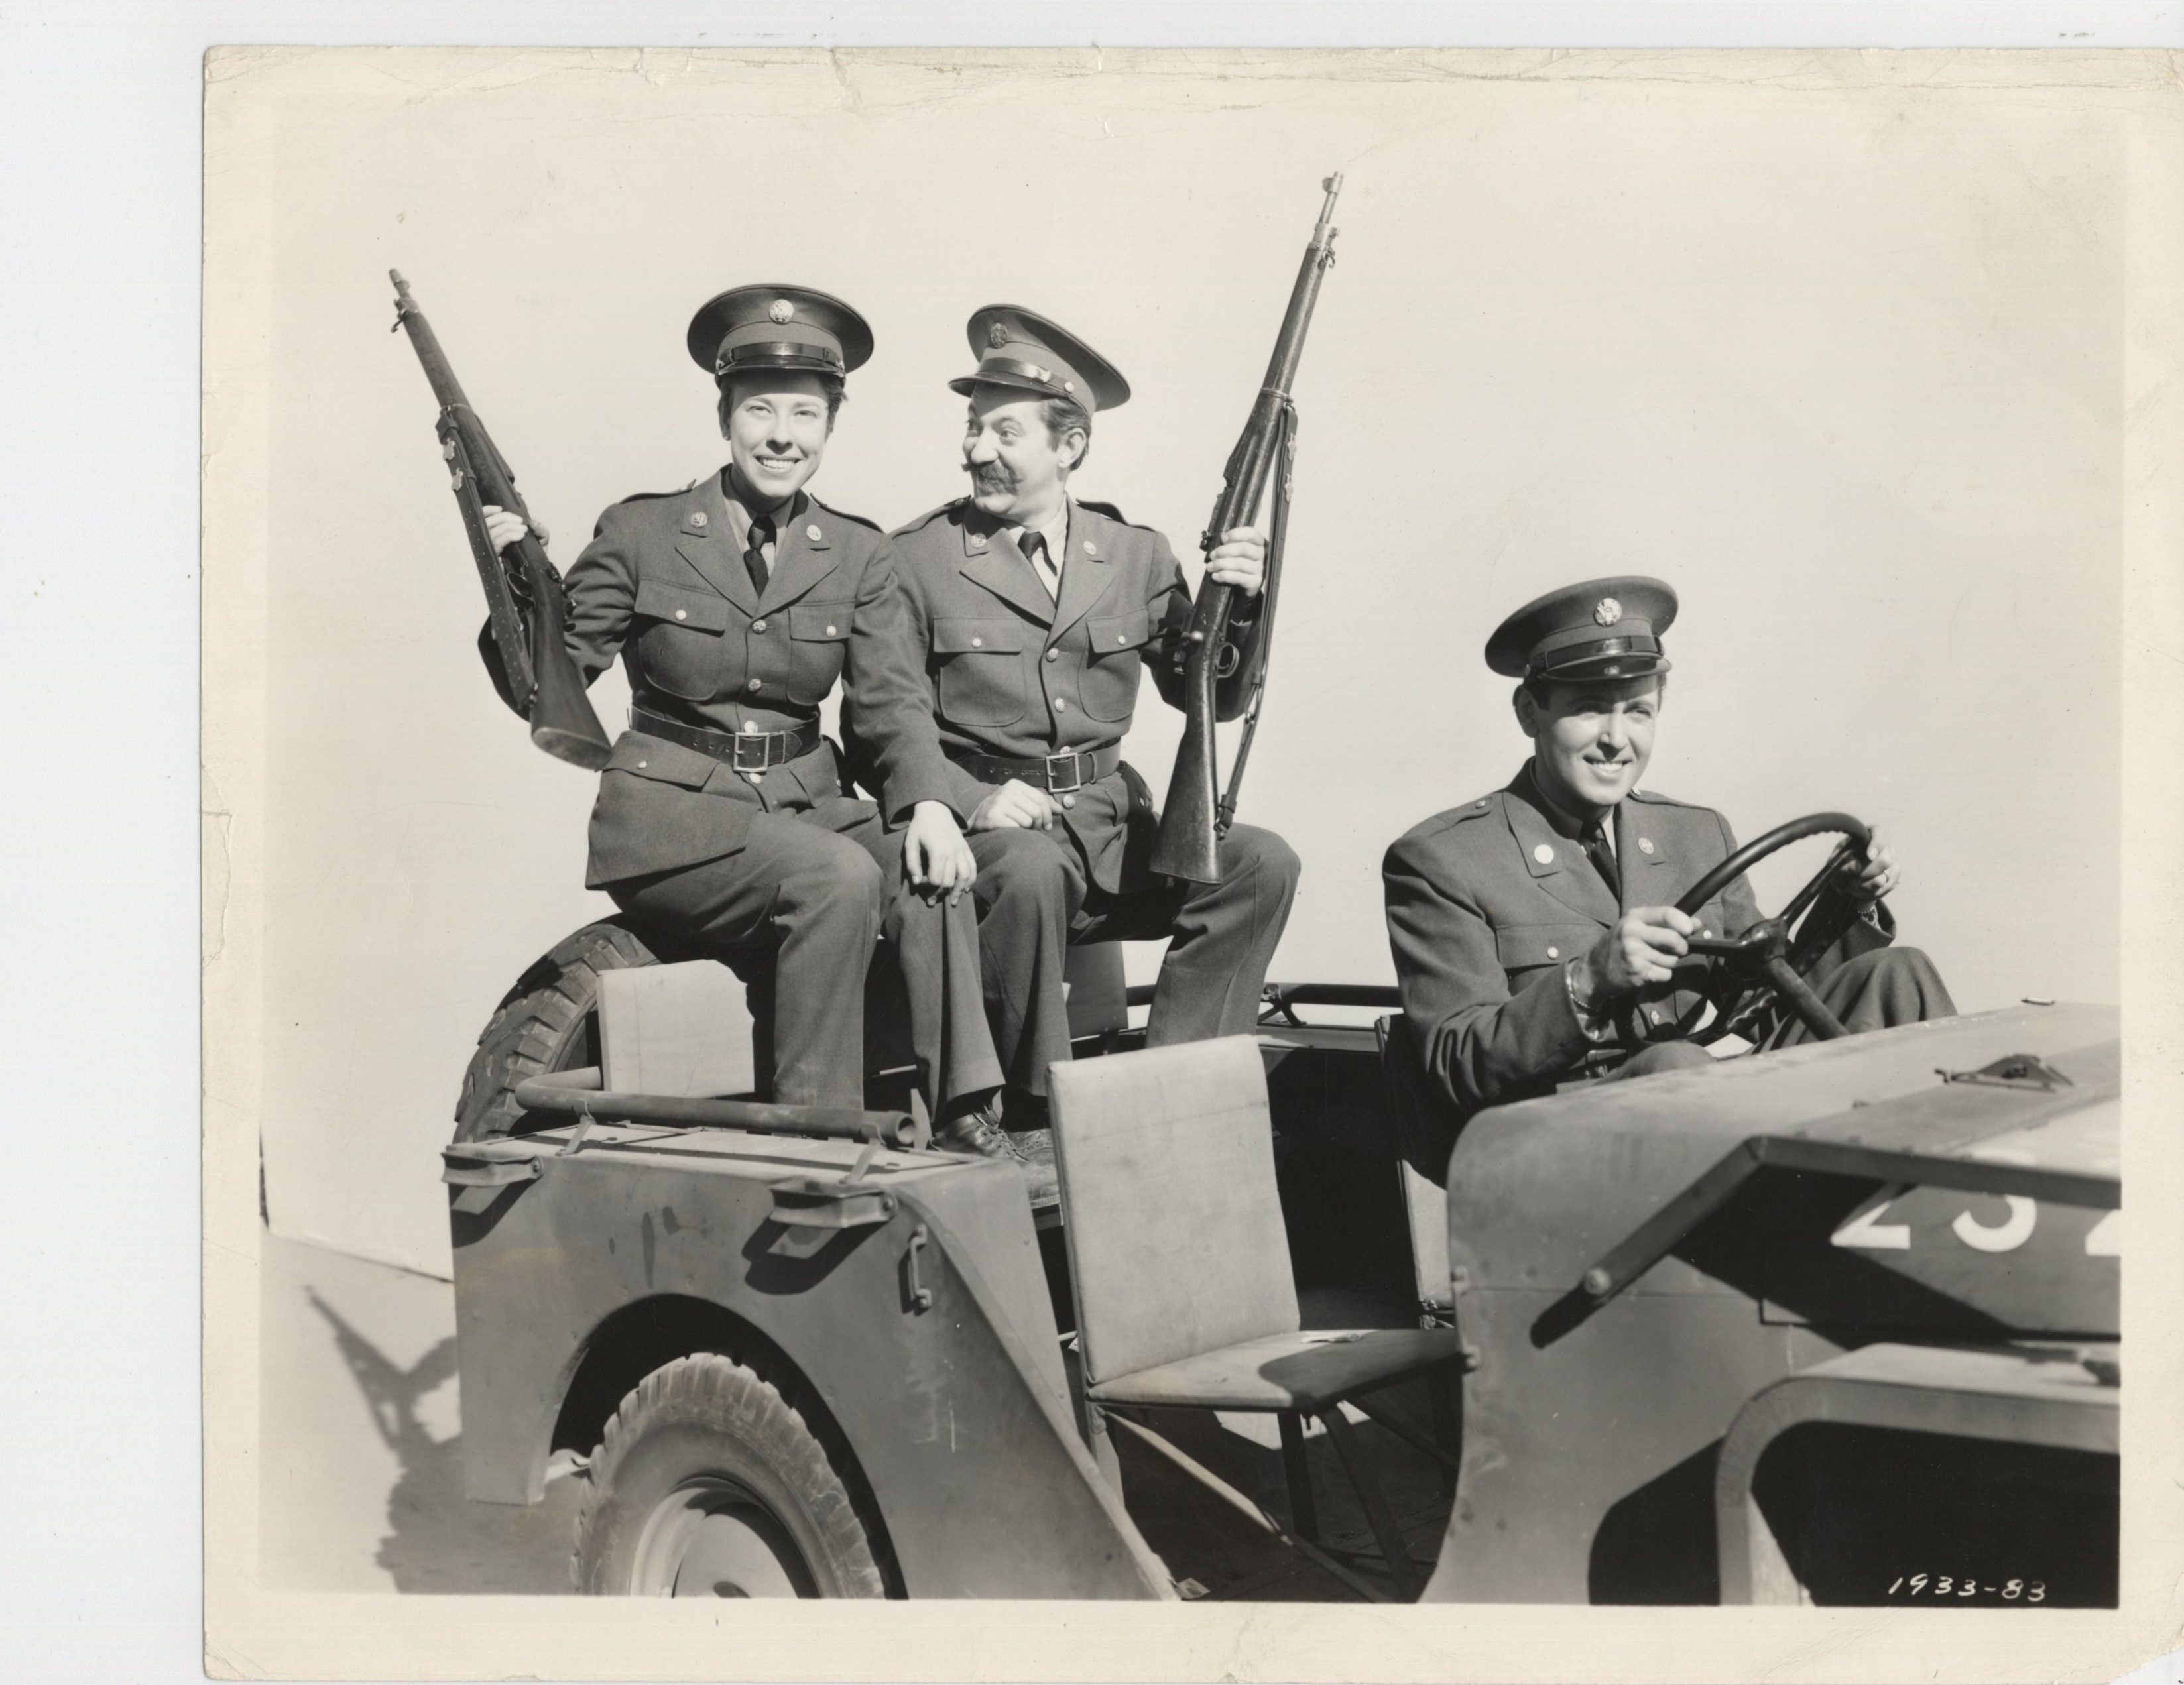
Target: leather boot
[[977, 1133]]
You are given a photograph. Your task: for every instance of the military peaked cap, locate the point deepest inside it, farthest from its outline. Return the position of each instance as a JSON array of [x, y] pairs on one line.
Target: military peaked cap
[[1603, 629], [778, 327], [1016, 349]]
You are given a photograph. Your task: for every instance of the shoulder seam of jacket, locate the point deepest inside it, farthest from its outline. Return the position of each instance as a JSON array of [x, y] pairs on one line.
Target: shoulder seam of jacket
[[859, 519], [927, 518], [1448, 819]]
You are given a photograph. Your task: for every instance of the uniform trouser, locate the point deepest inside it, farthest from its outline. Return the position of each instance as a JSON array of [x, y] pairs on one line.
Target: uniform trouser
[[795, 913], [1034, 900], [1877, 990]]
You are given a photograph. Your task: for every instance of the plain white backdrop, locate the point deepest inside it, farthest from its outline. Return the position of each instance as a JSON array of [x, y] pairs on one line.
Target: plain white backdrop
[[1845, 369], [100, 132]]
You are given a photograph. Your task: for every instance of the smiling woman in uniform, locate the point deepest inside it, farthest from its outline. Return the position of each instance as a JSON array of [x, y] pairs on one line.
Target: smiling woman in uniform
[[724, 815]]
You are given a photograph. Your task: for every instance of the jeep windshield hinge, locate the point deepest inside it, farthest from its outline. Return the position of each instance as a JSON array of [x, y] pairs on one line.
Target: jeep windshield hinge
[[2012, 1071]]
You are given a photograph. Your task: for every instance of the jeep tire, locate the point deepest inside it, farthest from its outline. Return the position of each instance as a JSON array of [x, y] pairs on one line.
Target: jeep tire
[[708, 1484]]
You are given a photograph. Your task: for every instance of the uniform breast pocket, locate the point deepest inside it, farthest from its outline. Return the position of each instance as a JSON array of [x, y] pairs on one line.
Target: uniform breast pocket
[[1524, 949], [1108, 687], [681, 643], [818, 634], [981, 671]]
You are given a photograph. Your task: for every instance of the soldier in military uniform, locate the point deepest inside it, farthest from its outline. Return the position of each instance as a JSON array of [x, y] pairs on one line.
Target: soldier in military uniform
[[1534, 935], [1036, 613], [723, 815]]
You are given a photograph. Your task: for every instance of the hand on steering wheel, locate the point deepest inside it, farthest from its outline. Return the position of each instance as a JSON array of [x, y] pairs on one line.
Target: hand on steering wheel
[[1767, 956]]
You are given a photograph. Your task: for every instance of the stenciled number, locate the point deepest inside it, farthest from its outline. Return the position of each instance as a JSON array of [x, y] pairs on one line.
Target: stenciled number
[[1864, 1230]]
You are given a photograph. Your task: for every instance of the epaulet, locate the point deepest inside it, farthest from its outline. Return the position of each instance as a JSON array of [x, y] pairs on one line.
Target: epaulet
[[855, 520], [1108, 509], [655, 497], [1452, 817], [1659, 800], [928, 517]]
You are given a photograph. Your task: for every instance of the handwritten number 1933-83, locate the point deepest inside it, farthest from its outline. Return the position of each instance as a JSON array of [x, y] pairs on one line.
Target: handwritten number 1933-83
[[1939, 1586]]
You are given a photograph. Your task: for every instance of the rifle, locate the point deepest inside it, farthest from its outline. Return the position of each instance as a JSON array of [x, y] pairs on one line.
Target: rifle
[[522, 596], [1223, 677]]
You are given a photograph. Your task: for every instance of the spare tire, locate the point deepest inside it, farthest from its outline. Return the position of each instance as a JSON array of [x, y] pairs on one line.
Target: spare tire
[[548, 1021]]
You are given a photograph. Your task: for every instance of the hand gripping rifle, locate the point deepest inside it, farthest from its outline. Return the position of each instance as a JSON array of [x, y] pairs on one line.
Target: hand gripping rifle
[[522, 592], [1224, 668]]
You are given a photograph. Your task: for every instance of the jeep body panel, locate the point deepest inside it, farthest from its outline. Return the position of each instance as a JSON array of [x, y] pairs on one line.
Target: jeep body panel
[[1637, 1260], [927, 1333]]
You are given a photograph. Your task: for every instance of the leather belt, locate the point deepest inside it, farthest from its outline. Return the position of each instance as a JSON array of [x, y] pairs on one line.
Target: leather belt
[[747, 752], [1055, 774]]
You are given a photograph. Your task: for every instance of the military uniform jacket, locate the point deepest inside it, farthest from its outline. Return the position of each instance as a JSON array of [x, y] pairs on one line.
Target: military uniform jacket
[[1017, 674], [1488, 902], [663, 584]]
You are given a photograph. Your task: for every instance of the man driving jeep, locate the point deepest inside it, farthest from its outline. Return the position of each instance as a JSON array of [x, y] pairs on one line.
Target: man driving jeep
[[1536, 933]]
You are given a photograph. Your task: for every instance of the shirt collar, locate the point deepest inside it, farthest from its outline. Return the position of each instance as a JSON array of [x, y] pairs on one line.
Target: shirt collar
[[1056, 533], [740, 513], [1563, 822]]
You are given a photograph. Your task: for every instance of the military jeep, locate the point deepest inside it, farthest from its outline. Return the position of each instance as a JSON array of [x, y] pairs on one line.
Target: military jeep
[[1834, 1324]]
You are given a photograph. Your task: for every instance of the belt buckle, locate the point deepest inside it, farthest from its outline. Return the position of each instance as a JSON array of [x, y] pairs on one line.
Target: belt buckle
[[1076, 773], [761, 741]]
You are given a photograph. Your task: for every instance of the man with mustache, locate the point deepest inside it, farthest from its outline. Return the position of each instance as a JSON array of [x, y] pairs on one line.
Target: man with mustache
[[1036, 614], [1533, 930], [723, 816]]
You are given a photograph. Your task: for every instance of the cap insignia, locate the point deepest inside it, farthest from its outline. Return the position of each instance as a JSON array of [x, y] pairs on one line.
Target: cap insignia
[[1607, 611], [697, 517], [780, 311], [997, 336]]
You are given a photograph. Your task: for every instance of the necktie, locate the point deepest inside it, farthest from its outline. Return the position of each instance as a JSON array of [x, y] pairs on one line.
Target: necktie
[[1034, 549], [755, 552], [1602, 857]]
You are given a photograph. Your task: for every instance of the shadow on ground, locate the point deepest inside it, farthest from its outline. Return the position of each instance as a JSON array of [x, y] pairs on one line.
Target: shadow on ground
[[437, 1540], [363, 1462]]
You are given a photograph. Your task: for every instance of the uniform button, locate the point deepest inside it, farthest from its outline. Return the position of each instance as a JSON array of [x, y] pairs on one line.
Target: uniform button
[[682, 613], [1645, 845], [1544, 854], [1554, 954], [1069, 801], [1478, 804], [830, 631], [644, 762], [750, 725], [758, 625], [1053, 654], [1122, 638], [1062, 704], [977, 643], [1709, 934], [1090, 548], [752, 685], [813, 534]]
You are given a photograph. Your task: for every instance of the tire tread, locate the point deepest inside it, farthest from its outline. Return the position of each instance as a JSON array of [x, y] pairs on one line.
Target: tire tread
[[710, 1390]]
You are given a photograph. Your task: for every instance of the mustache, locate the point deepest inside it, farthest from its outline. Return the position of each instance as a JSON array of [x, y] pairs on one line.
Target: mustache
[[991, 474]]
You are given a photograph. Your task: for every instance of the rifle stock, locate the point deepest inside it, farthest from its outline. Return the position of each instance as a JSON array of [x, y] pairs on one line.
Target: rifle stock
[[523, 597], [1224, 678]]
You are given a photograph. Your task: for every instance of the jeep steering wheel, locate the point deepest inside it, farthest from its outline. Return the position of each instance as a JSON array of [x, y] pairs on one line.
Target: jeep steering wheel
[[1769, 956]]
